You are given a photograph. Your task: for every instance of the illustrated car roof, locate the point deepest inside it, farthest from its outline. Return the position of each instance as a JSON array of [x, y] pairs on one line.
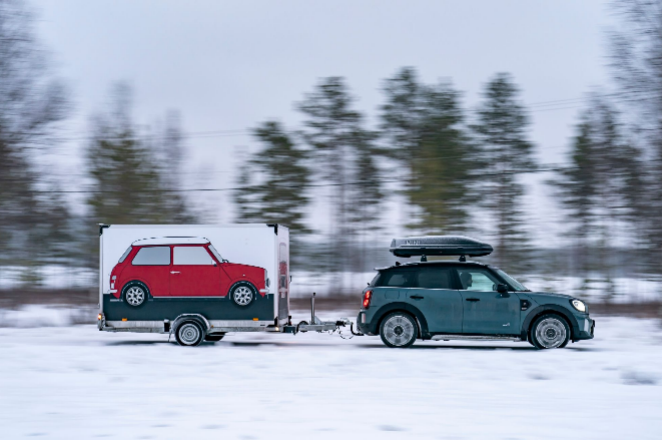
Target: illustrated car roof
[[171, 240]]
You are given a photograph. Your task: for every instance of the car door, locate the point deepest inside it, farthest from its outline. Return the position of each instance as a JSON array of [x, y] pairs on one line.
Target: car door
[[194, 273], [151, 265], [487, 311], [433, 292]]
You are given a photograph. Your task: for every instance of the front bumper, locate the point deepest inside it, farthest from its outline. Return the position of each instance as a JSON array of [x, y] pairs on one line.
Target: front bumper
[[585, 330]]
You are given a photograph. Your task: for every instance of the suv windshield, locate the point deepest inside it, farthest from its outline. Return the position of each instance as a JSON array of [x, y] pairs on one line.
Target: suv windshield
[[511, 281]]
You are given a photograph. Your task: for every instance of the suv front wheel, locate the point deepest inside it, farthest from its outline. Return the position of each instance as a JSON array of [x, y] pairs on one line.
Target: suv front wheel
[[550, 331], [398, 330]]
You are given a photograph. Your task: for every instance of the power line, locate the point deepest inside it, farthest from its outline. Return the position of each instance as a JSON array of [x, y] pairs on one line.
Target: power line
[[545, 169]]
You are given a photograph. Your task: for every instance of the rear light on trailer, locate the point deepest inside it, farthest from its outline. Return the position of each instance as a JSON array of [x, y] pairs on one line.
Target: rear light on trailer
[[100, 316], [366, 299]]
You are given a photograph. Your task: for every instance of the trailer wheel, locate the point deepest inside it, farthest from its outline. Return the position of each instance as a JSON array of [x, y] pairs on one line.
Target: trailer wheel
[[189, 333], [135, 294], [243, 294]]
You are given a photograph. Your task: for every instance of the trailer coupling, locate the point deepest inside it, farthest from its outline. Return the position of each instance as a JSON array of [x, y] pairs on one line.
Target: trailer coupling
[[318, 325]]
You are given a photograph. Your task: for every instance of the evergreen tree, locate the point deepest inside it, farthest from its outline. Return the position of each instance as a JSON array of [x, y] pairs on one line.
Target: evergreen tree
[[130, 185], [344, 158], [602, 187], [273, 183], [501, 132], [424, 125]]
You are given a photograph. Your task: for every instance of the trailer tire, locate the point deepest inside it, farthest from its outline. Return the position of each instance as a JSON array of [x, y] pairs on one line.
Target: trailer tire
[[189, 333], [135, 294], [243, 294]]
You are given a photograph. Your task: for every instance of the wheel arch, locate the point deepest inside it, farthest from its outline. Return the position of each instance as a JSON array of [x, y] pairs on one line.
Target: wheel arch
[[548, 309], [385, 310], [198, 318]]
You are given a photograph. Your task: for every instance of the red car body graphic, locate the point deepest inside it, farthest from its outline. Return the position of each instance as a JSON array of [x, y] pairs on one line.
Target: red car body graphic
[[170, 278]]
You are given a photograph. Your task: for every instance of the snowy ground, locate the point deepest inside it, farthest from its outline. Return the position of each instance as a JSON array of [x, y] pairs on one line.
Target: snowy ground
[[77, 382]]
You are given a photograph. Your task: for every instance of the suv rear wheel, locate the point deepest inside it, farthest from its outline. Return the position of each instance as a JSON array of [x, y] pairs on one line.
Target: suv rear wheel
[[550, 331], [398, 330]]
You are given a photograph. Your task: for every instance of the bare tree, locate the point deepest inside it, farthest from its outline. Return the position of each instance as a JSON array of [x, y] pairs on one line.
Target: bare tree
[[636, 62], [31, 103]]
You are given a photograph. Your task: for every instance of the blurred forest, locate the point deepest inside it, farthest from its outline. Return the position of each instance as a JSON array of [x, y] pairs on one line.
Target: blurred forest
[[453, 166]]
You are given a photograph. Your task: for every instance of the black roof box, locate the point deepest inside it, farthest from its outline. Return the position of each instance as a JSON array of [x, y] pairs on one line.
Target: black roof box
[[439, 246]]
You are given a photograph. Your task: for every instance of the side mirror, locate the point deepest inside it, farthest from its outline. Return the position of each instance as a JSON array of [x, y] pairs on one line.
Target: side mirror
[[502, 288]]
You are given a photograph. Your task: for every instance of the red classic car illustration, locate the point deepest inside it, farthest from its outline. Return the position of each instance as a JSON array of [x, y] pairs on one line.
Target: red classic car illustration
[[188, 267]]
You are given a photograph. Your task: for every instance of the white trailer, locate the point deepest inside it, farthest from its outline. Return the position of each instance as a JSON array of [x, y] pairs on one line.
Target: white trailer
[[197, 282]]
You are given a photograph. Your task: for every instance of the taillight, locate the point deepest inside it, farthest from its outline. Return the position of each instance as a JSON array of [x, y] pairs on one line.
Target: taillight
[[366, 299]]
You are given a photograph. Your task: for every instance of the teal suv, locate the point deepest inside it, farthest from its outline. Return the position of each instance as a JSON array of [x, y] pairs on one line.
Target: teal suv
[[451, 300]]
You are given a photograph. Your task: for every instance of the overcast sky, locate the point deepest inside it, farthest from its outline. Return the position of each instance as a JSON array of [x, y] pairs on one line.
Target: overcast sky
[[227, 65]]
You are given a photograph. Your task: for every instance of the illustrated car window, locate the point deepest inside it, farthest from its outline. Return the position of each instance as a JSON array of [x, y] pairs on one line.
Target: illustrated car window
[[434, 277], [215, 253], [152, 256], [477, 280], [126, 253], [399, 277], [191, 256]]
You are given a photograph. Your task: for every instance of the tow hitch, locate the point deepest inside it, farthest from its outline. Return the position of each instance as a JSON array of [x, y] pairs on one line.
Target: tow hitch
[[318, 325]]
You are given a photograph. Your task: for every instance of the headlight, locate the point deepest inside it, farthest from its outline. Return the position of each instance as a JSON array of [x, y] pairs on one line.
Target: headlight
[[579, 305]]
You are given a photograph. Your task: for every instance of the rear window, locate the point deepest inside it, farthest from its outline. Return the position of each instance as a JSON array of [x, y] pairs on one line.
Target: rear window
[[126, 253], [431, 277], [152, 256]]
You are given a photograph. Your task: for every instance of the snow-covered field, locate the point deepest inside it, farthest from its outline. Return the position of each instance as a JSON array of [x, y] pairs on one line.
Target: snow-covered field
[[77, 382]]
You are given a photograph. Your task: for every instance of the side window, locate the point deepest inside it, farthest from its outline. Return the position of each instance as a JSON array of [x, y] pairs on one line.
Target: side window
[[191, 256], [396, 277], [434, 277], [152, 256], [475, 279]]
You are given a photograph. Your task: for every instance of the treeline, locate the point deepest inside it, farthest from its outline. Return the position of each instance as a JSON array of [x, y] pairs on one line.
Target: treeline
[[430, 163]]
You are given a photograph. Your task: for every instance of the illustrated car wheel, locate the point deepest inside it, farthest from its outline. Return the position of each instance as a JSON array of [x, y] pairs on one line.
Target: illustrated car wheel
[[214, 337], [243, 294], [550, 331], [135, 294], [189, 333], [398, 330]]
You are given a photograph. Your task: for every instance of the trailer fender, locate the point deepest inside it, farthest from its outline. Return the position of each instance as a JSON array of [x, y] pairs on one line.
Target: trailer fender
[[199, 318]]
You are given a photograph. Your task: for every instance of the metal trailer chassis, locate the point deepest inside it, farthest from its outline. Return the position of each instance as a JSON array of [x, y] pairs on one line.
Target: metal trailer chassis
[[168, 327]]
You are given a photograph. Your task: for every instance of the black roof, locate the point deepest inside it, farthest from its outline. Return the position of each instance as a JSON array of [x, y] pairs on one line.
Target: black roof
[[433, 262]]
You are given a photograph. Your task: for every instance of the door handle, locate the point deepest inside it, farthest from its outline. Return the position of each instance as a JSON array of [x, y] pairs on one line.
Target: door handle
[[473, 300], [174, 272], [416, 297]]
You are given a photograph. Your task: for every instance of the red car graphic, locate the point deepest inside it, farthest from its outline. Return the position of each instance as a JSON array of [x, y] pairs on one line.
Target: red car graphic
[[188, 267]]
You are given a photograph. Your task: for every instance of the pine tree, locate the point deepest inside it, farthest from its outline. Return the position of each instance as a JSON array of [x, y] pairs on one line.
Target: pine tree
[[130, 182], [344, 159], [501, 131], [601, 189], [273, 184], [424, 126]]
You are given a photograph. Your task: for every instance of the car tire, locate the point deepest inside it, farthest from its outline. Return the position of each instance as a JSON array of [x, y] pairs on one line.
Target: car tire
[[214, 338], [243, 294], [189, 333], [550, 331], [135, 294], [398, 330]]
